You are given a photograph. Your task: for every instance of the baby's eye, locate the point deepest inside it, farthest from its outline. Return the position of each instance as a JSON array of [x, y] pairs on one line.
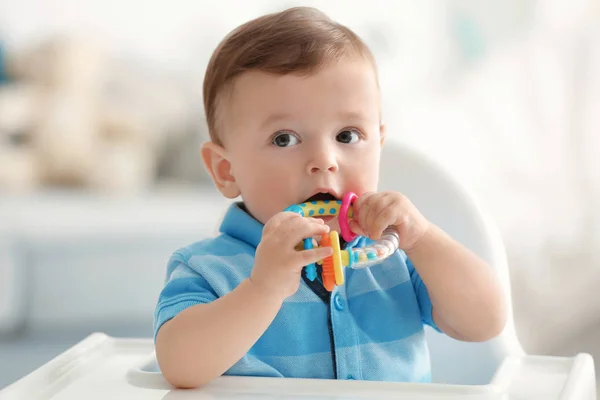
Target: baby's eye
[[285, 140], [348, 136]]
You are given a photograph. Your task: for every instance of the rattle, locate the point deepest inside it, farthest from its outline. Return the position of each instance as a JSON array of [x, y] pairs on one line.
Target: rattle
[[357, 258]]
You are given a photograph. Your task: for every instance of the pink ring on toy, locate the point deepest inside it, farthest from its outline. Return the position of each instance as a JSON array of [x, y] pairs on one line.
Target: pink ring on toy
[[347, 201]]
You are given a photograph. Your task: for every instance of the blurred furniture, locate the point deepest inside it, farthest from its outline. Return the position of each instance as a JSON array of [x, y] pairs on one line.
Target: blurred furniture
[[70, 260]]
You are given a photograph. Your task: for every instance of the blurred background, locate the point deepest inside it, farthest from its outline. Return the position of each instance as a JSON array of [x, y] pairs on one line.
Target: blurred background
[[101, 119]]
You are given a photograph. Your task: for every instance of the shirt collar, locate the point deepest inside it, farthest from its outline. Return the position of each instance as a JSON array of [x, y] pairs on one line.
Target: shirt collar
[[239, 224]]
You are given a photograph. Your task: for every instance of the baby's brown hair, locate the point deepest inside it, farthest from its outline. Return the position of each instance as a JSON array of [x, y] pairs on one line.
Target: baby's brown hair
[[298, 40]]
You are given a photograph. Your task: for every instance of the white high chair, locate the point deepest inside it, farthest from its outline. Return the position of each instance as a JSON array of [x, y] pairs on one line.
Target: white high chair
[[446, 203], [101, 367]]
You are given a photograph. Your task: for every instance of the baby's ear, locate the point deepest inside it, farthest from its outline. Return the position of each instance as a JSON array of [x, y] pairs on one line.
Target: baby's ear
[[382, 133], [219, 168]]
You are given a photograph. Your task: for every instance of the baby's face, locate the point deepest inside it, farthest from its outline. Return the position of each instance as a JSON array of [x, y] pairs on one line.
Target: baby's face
[[291, 137]]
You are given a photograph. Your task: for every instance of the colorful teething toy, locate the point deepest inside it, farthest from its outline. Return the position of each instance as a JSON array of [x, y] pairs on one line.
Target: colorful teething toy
[[356, 258]]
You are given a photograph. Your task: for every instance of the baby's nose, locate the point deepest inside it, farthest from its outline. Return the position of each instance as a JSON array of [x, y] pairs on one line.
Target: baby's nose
[[331, 168], [323, 162]]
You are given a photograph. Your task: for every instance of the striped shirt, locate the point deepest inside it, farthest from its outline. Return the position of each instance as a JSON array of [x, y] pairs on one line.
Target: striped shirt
[[370, 328]]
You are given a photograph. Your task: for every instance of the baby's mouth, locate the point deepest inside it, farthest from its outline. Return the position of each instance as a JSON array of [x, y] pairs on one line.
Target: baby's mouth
[[321, 197]]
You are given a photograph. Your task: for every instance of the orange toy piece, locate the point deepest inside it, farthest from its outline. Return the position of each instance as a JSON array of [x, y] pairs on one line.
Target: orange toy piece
[[327, 274]]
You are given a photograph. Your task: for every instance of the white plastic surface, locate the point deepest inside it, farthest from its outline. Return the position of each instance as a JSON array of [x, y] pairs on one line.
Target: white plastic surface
[[102, 368]]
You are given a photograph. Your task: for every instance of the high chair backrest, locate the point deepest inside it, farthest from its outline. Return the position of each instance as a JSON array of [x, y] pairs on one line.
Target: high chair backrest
[[445, 202]]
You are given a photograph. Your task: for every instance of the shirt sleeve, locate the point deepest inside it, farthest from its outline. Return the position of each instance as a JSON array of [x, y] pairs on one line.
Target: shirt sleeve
[[184, 288], [422, 296]]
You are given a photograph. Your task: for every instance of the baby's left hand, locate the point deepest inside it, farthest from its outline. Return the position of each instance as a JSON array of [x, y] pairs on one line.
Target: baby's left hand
[[373, 212]]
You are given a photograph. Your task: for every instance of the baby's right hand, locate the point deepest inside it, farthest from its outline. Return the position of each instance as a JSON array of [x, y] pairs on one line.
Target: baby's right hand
[[278, 265]]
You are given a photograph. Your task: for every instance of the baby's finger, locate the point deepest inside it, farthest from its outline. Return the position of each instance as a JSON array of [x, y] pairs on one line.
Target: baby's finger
[[314, 255], [360, 201], [306, 221], [377, 203], [291, 223], [299, 226], [365, 220], [355, 227], [302, 230], [382, 221], [382, 216], [278, 219]]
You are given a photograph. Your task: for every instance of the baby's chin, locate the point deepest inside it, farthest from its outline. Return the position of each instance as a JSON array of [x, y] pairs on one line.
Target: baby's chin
[[333, 224]]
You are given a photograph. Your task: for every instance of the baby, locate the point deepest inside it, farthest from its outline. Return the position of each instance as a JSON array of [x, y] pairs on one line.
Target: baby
[[293, 108]]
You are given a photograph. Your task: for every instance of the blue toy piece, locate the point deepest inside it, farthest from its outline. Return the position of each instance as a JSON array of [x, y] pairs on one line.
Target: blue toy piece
[[311, 269]]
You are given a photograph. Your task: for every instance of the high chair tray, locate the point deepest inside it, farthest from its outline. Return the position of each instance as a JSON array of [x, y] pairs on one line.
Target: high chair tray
[[101, 367]]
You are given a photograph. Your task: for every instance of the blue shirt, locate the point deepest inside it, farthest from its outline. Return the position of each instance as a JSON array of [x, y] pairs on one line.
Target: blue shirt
[[371, 328]]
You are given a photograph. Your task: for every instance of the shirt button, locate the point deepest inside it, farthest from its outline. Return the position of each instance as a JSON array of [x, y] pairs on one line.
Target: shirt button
[[350, 378], [338, 302]]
